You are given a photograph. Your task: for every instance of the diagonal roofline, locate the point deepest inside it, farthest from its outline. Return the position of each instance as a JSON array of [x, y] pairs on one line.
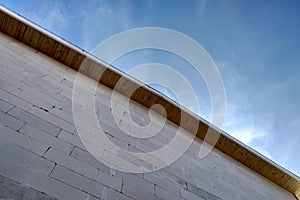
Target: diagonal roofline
[[48, 43]]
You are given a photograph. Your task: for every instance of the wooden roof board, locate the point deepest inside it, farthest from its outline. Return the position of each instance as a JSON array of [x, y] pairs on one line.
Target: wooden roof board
[[49, 44]]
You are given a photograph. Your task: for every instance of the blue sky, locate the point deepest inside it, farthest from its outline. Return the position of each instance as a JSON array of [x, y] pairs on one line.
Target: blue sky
[[255, 44]]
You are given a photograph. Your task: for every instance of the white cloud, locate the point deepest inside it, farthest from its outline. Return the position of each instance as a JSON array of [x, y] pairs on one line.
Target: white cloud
[[256, 137], [201, 8], [252, 127], [55, 18], [101, 20], [50, 16], [248, 129]]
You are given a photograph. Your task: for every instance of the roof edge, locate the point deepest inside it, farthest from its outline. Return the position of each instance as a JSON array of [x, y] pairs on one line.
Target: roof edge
[[50, 44]]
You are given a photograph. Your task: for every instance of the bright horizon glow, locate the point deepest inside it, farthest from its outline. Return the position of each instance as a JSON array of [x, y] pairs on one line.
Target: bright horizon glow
[[255, 45]]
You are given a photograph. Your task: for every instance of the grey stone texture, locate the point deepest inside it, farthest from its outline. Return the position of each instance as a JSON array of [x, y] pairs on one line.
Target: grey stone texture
[[12, 190], [43, 157]]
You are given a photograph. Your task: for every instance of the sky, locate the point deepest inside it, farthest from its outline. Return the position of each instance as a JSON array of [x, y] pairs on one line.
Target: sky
[[255, 45]]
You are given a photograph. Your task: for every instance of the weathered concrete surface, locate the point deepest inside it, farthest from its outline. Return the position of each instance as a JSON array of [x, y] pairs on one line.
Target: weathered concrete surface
[[39, 147], [12, 190]]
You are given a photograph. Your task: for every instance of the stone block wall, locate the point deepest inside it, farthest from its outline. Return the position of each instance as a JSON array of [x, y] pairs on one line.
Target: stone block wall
[[42, 156]]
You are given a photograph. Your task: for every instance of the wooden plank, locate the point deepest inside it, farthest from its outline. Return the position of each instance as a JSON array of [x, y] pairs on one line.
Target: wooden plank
[[297, 192], [43, 44], [51, 46], [290, 184], [61, 53], [70, 57], [21, 31], [27, 36], [11, 27], [227, 146], [34, 39], [3, 16], [77, 61]]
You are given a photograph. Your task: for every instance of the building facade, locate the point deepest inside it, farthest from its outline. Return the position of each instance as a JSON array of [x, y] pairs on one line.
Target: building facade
[[43, 156]]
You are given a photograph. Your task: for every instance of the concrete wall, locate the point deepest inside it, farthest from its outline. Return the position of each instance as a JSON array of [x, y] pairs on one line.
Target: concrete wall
[[41, 151]]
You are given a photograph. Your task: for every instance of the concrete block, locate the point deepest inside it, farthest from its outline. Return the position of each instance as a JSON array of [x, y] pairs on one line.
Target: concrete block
[[169, 175], [23, 141], [56, 188], [108, 193], [13, 157], [112, 129], [138, 194], [119, 143], [30, 98], [46, 82], [35, 121], [47, 139], [20, 69], [123, 161], [14, 48], [71, 139], [201, 193], [189, 196], [163, 183], [86, 157], [76, 180], [104, 174], [28, 93], [62, 114], [14, 100], [136, 183], [15, 73], [45, 115], [66, 92], [148, 145], [166, 195], [44, 87], [4, 106], [4, 84], [83, 183], [10, 189], [71, 163], [108, 180], [10, 121], [32, 170]]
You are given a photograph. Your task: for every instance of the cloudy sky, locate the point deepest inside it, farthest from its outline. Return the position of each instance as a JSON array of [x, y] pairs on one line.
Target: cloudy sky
[[255, 45]]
